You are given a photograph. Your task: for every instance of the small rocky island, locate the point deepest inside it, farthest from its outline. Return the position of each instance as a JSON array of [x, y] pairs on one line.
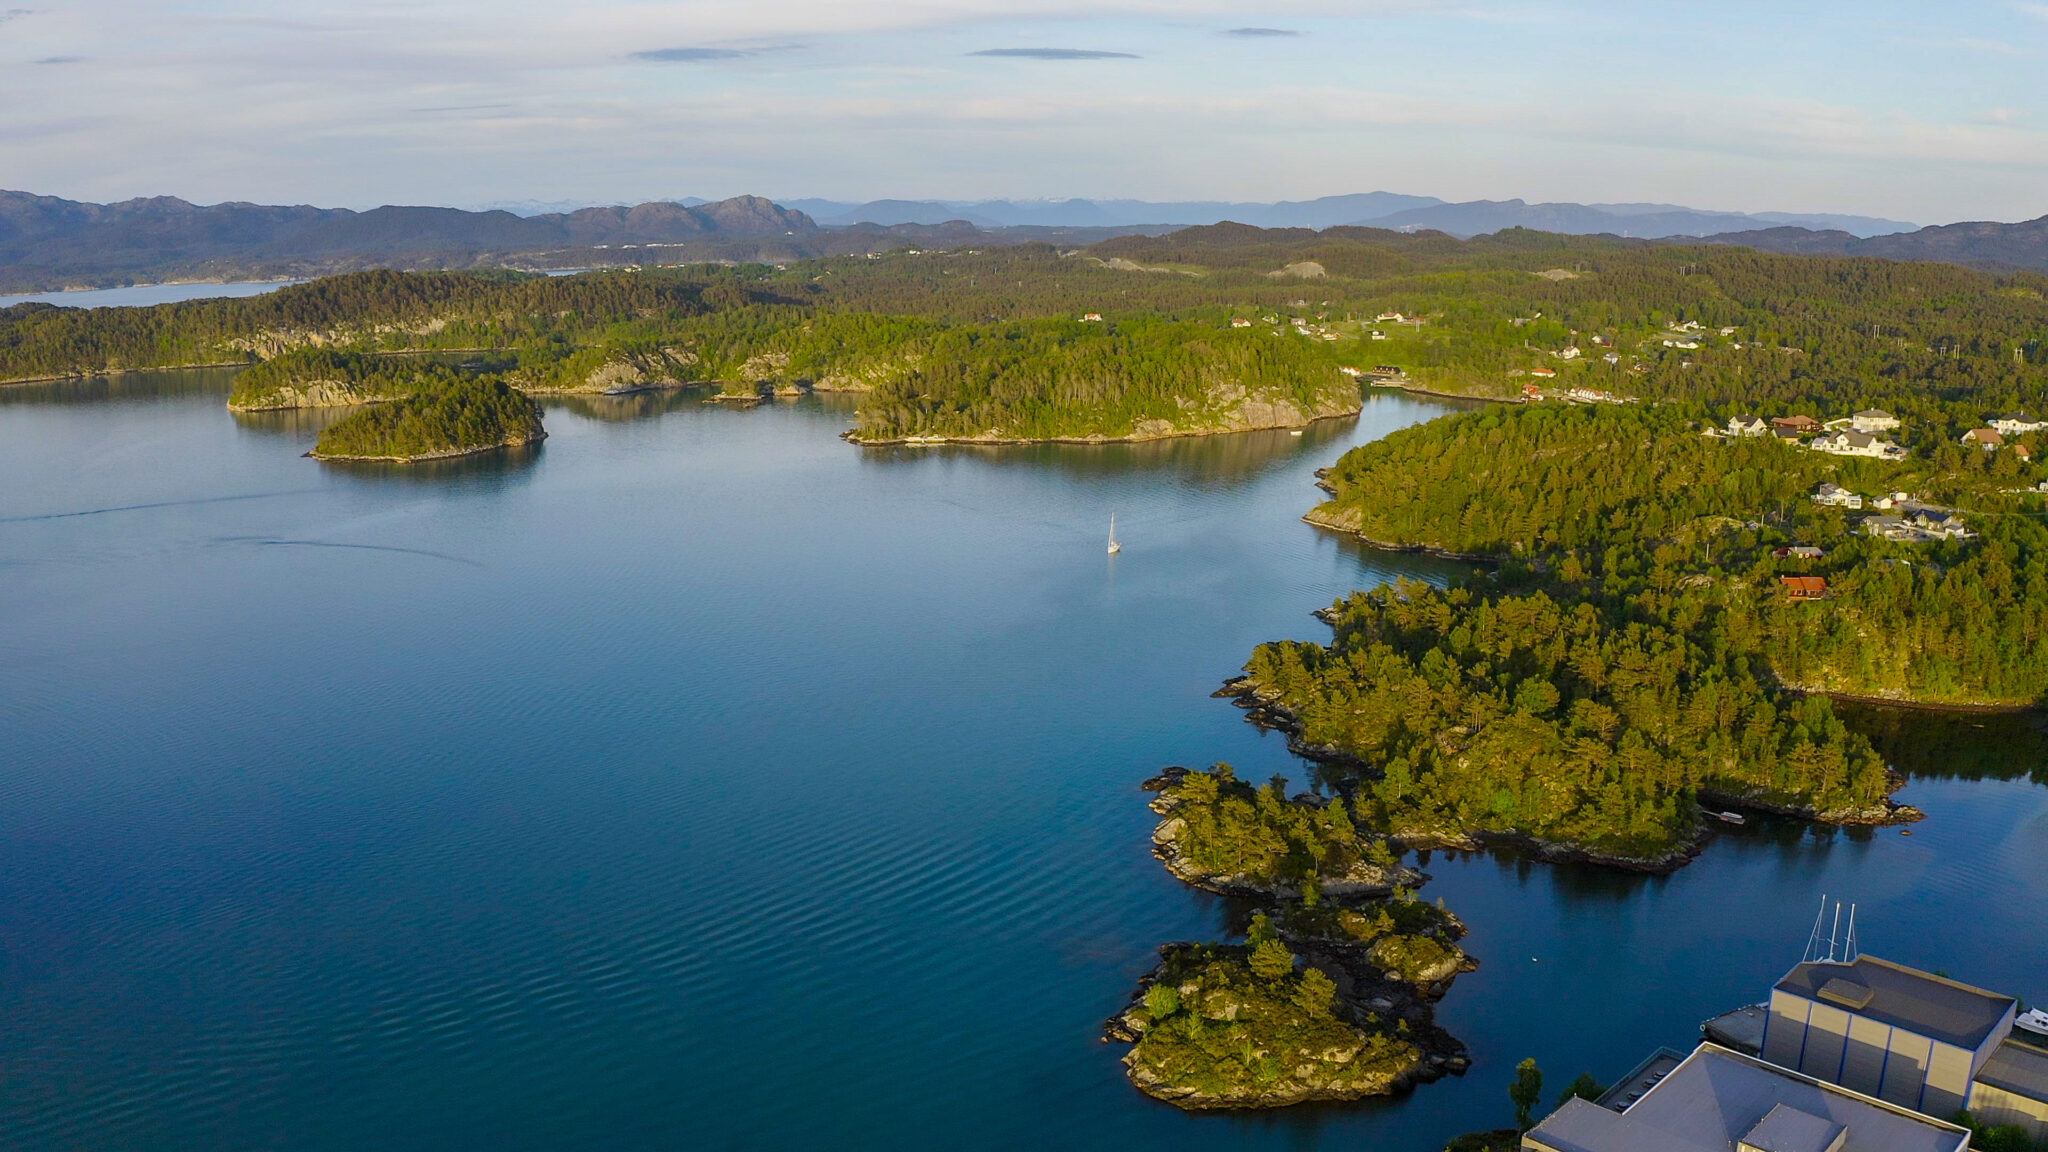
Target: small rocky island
[[1329, 998], [443, 419]]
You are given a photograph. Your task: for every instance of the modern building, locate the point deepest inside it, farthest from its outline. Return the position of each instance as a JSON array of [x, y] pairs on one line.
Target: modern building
[[1716, 1099], [1918, 1040], [1858, 1055], [1872, 420]]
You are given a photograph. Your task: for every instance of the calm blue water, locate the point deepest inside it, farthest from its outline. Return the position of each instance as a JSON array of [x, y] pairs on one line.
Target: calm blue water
[[700, 781], [142, 295]]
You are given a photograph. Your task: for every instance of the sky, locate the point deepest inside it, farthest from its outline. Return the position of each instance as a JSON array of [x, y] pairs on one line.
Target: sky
[[1914, 111]]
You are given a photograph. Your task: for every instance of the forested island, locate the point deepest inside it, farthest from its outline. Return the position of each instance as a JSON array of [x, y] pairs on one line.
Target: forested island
[[1330, 996], [437, 419]]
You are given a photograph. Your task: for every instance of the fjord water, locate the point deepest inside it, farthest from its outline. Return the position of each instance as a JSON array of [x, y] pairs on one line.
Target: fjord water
[[698, 780], [144, 295]]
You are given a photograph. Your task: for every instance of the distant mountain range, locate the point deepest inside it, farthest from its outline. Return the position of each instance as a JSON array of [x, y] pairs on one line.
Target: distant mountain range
[[1371, 209], [1327, 212], [48, 243], [1980, 243]]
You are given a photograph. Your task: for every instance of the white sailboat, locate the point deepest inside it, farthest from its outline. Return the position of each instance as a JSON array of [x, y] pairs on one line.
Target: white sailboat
[[1114, 547]]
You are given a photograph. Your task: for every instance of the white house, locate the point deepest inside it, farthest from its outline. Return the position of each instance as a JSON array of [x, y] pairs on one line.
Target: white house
[[1240, 322], [1836, 496], [1873, 420], [1854, 444], [1985, 438], [2014, 423], [1748, 426]]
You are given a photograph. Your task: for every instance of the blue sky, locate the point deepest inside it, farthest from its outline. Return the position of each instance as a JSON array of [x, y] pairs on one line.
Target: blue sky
[[1923, 112]]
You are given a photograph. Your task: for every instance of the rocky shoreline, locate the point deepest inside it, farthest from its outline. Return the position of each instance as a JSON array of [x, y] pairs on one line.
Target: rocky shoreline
[[1269, 714], [1362, 880], [1358, 935], [427, 457], [1239, 412], [1337, 522], [1363, 993], [991, 441]]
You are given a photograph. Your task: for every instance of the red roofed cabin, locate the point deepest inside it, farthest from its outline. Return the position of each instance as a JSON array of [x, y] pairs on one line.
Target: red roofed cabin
[[1799, 424], [1805, 587]]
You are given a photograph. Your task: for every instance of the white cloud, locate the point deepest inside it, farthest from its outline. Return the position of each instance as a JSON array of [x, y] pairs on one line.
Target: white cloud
[[467, 101]]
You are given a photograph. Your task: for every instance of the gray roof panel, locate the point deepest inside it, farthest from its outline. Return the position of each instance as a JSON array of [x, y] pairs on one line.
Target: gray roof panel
[[1717, 1097], [1908, 998], [2018, 1068]]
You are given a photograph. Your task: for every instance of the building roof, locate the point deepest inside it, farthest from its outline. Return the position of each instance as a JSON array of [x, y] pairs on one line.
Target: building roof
[[2018, 1067], [1787, 1129], [1873, 414], [1717, 1097], [1805, 585], [1921, 1002]]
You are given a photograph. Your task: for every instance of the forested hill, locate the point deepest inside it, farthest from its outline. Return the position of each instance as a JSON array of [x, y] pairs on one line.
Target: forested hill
[[1477, 317], [984, 342], [1638, 649], [1981, 243]]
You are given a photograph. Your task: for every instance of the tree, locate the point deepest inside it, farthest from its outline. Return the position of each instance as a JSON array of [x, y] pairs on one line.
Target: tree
[[1316, 993], [1271, 960], [1585, 1088], [1526, 1091], [1261, 930], [1162, 1000]]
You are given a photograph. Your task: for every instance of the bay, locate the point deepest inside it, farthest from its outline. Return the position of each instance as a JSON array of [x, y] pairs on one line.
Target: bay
[[697, 780]]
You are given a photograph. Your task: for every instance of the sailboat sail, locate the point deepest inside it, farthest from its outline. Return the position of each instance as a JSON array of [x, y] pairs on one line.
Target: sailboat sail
[[1114, 547]]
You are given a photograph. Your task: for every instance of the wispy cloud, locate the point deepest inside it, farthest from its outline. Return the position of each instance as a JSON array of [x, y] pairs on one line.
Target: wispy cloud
[[1995, 47], [14, 14], [1056, 54], [1261, 33], [1999, 117], [691, 55], [2037, 11]]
